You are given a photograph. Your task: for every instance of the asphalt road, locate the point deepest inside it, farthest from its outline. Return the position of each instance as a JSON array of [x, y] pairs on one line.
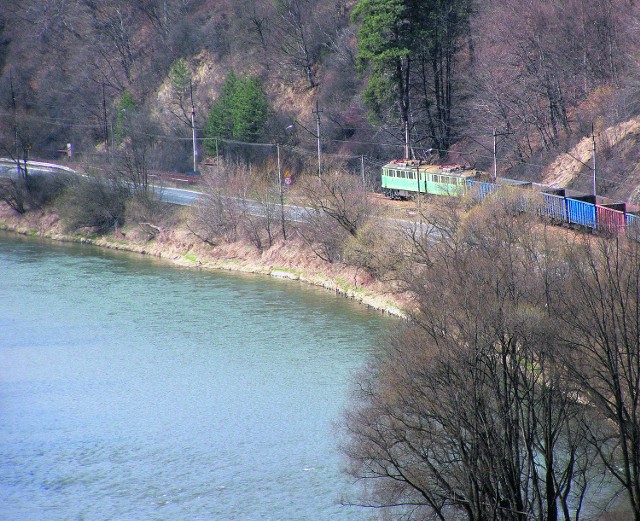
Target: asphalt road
[[177, 196], [185, 197]]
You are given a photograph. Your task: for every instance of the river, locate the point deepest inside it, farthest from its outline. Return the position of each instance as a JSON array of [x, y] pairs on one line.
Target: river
[[130, 389]]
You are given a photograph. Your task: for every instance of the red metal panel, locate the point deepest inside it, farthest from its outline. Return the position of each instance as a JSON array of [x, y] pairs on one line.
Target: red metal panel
[[610, 220]]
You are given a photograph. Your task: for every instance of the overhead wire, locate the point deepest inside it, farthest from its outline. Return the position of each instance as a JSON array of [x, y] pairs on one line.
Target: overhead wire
[[294, 148]]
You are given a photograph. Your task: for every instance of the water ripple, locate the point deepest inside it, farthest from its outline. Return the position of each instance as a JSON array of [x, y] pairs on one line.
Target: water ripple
[[133, 391]]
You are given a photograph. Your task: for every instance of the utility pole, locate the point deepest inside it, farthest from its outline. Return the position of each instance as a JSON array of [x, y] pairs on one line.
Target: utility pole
[[406, 139], [15, 118], [104, 117], [284, 231], [495, 161], [217, 159], [418, 196], [317, 113], [497, 134], [593, 139], [193, 129]]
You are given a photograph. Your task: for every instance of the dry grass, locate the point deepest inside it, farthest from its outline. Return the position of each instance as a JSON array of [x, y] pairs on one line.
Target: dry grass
[[567, 166]]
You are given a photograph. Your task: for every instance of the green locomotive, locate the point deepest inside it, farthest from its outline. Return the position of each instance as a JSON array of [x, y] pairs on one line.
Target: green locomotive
[[400, 179]]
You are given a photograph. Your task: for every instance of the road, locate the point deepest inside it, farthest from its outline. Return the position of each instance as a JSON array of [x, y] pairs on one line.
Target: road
[[8, 168], [185, 197], [177, 196]]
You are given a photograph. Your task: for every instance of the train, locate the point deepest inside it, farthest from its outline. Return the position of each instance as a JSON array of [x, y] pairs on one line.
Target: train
[[404, 178]]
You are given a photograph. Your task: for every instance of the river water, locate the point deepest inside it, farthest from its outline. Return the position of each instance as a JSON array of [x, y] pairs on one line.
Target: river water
[[130, 389]]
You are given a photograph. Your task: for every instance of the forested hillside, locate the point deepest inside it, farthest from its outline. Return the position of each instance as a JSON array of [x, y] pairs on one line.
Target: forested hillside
[[441, 77]]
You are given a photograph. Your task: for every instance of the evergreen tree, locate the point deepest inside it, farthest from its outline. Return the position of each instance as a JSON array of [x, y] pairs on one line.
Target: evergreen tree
[[409, 48], [240, 112], [180, 77], [384, 48], [126, 107], [180, 104]]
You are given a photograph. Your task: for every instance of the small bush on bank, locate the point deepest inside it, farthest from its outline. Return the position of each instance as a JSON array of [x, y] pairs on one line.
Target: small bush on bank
[[99, 204], [32, 191], [377, 248], [45, 189], [144, 207]]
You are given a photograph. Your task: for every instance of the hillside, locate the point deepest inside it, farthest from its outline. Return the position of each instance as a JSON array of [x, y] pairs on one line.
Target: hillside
[[617, 144], [443, 74]]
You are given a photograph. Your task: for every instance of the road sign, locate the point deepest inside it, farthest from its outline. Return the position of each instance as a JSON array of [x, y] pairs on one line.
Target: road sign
[[287, 181]]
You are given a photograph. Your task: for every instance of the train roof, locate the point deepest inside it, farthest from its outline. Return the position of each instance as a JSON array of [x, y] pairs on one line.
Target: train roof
[[452, 169]]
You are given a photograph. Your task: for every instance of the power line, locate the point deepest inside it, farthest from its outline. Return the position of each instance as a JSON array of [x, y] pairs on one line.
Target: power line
[[97, 126]]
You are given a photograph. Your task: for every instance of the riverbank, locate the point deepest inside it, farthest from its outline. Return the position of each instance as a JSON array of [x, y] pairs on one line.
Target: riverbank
[[289, 259]]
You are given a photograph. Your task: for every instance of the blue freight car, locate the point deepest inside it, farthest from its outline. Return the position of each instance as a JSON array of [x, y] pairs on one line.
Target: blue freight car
[[632, 220], [581, 211], [554, 207], [481, 189]]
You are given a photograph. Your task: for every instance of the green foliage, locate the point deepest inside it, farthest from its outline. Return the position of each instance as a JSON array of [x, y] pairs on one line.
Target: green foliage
[[382, 37], [377, 94], [408, 47], [125, 108], [383, 43], [180, 77], [127, 102], [240, 112]]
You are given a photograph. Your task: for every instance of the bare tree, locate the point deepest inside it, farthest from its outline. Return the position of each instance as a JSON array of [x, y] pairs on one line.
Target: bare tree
[[602, 318], [297, 46], [115, 23], [535, 63], [243, 204], [340, 197], [95, 203], [15, 190], [216, 216], [135, 153], [336, 209], [469, 414]]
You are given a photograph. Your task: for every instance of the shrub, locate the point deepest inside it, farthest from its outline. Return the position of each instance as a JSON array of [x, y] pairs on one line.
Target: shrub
[[94, 203]]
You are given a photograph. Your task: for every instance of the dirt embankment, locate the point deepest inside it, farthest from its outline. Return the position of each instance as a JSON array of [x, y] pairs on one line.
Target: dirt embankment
[[290, 259], [608, 141]]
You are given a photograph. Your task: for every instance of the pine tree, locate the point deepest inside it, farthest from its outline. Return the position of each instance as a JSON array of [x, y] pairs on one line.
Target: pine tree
[[409, 48], [240, 112]]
